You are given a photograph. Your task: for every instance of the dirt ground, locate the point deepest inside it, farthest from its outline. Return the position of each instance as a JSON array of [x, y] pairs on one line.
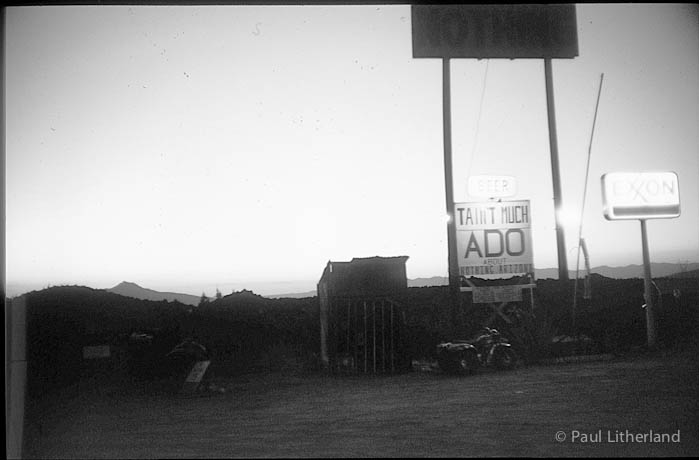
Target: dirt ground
[[517, 413]]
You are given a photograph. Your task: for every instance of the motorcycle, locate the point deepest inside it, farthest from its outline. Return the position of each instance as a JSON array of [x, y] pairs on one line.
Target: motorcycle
[[488, 349]]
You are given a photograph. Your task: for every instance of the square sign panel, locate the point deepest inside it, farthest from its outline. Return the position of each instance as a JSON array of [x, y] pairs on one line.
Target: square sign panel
[[650, 195], [493, 238], [494, 31]]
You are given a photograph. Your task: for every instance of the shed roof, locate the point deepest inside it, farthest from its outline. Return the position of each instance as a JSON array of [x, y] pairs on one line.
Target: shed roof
[[365, 275]]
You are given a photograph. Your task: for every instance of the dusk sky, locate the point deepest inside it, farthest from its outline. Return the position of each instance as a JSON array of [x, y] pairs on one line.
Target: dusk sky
[[185, 148]]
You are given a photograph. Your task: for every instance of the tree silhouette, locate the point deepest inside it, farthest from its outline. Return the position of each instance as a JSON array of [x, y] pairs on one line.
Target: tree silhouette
[[204, 300]]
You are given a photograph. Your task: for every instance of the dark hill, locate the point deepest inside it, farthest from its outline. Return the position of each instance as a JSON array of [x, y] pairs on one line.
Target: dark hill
[[245, 329], [61, 320], [82, 311], [244, 296], [686, 274], [247, 304]]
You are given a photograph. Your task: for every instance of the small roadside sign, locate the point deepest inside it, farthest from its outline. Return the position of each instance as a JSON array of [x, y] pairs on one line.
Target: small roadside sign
[[492, 294], [492, 186], [195, 376], [96, 352]]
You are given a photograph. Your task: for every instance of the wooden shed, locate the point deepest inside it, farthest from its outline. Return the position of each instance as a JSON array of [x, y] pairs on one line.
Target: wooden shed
[[361, 324]]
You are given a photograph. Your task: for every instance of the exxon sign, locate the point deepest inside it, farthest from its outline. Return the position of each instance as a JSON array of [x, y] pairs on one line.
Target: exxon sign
[[649, 195]]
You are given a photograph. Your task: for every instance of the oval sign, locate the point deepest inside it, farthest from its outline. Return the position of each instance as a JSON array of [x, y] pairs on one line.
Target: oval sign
[[492, 186]]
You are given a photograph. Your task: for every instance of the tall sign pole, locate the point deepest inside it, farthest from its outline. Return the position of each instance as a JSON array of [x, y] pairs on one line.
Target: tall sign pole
[[555, 173], [647, 293], [449, 180]]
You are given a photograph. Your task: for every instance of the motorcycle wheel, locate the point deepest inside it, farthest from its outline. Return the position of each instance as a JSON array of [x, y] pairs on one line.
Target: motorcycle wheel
[[505, 359]]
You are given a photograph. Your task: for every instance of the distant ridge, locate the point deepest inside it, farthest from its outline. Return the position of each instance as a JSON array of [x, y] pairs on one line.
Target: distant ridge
[[432, 281], [128, 289], [686, 274], [658, 270], [294, 295]]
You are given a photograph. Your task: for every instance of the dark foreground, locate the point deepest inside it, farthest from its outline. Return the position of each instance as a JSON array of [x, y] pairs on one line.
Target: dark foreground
[[517, 413]]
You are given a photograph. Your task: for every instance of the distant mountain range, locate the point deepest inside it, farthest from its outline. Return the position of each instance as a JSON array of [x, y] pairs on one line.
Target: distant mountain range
[[293, 295], [134, 290], [658, 270]]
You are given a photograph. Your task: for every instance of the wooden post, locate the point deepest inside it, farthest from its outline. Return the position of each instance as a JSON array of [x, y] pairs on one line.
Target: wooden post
[[383, 338], [349, 305], [373, 333], [356, 337], [366, 341], [453, 260], [393, 350], [555, 174], [449, 178], [16, 379]]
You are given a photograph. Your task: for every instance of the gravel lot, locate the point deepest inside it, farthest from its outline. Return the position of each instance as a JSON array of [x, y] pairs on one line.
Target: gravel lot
[[517, 413]]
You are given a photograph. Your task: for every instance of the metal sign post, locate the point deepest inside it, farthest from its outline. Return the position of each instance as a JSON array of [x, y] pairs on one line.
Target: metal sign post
[[650, 318]]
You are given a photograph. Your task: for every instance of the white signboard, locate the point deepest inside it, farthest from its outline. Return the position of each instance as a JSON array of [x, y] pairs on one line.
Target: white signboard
[[493, 239], [492, 186], [491, 294], [194, 377], [197, 372], [640, 195]]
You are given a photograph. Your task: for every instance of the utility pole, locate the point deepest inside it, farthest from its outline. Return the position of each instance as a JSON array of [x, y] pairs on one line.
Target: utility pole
[[453, 261], [449, 180], [555, 173]]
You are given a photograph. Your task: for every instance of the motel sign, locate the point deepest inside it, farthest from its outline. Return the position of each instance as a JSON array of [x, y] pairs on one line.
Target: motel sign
[[494, 31]]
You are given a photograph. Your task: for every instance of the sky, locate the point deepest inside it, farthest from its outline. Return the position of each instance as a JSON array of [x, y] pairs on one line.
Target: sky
[[188, 148]]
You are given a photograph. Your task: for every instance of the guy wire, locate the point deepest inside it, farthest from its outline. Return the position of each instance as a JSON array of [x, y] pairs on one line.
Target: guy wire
[[582, 208], [478, 122]]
